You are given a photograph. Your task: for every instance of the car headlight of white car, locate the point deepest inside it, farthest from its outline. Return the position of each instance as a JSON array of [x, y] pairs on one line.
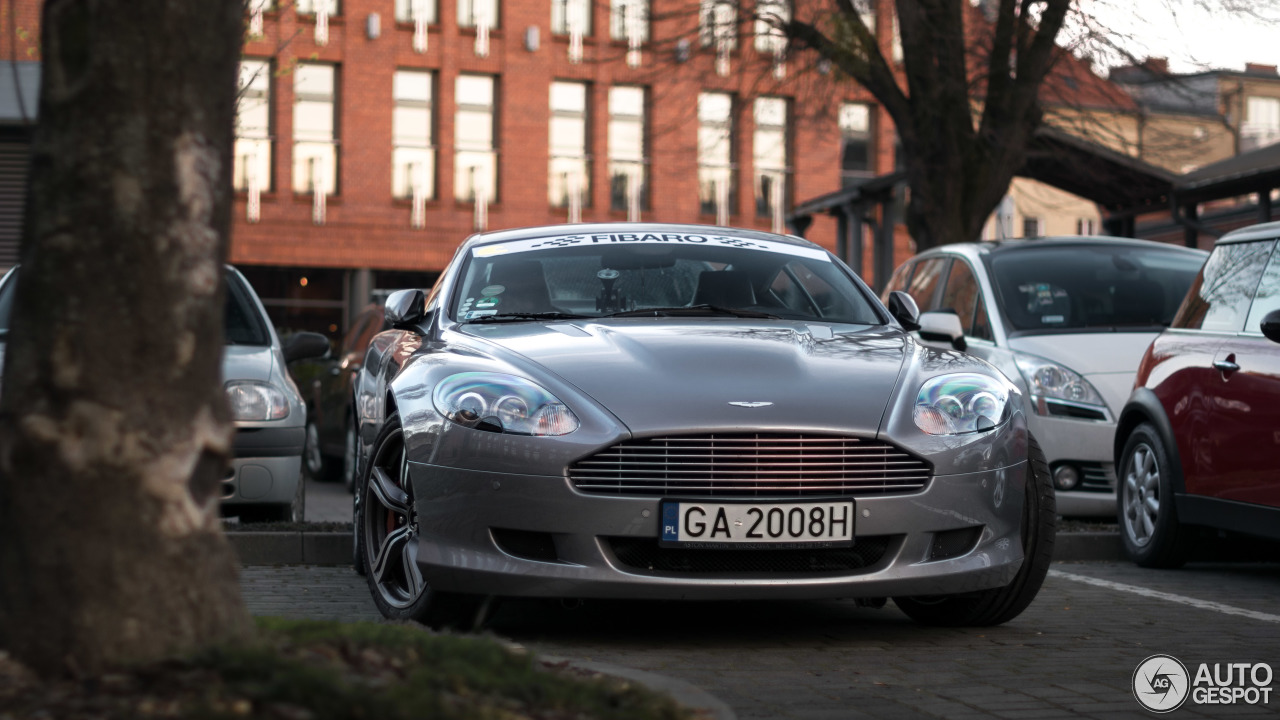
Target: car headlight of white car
[[252, 400], [1048, 380], [497, 402], [961, 403]]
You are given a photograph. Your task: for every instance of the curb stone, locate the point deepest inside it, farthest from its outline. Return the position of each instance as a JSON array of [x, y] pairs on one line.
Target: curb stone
[[334, 548]]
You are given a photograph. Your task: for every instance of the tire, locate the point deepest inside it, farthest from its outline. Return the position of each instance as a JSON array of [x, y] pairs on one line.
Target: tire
[[346, 467], [1002, 604], [387, 529], [1148, 518], [313, 461]]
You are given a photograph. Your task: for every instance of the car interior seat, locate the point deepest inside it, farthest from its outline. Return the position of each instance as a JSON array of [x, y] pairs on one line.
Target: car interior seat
[[724, 288], [524, 286], [1139, 302]]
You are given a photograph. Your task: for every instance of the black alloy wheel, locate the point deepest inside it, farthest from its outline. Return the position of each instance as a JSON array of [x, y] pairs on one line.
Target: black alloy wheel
[[387, 542]]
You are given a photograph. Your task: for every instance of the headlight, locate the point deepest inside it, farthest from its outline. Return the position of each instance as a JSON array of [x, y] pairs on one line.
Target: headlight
[[961, 403], [256, 401], [502, 403], [1048, 379]]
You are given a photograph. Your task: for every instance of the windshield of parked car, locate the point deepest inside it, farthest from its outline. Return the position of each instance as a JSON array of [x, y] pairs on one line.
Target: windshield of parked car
[[244, 325], [671, 274], [1092, 286]]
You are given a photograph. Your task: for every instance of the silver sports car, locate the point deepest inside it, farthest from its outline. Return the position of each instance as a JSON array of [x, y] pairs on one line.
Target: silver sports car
[[685, 412]]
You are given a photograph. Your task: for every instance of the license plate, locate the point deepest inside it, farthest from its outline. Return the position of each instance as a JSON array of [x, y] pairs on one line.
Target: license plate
[[743, 524]]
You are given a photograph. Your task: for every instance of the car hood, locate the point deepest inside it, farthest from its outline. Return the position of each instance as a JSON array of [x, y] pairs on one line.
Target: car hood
[[1109, 361], [667, 375], [247, 362]]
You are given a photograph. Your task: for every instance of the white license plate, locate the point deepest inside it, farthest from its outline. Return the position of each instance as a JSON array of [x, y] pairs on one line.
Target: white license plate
[[713, 525]]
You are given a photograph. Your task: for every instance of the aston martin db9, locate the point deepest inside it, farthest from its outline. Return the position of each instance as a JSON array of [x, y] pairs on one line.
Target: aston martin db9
[[653, 411]]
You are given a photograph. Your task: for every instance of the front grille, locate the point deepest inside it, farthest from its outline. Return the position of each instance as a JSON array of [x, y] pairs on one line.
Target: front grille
[[645, 554], [1097, 477], [751, 465]]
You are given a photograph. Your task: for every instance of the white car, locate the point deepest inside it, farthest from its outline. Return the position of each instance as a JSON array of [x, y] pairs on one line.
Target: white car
[[1067, 319]]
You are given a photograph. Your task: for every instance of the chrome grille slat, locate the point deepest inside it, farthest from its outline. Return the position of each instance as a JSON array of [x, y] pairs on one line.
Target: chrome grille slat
[[751, 465]]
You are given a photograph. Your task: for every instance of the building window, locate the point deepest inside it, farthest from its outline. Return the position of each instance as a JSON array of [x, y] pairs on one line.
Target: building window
[[718, 23], [567, 175], [475, 13], [856, 154], [1262, 123], [1086, 226], [570, 15], [313, 7], [1031, 227], [408, 11], [769, 13], [717, 190], [475, 157], [628, 189], [315, 138], [628, 17], [253, 127], [413, 156], [770, 155]]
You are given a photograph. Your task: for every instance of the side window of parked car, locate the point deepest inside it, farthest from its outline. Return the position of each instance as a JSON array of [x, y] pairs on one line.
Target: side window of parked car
[[899, 279], [1220, 297], [1267, 298], [962, 297], [925, 282]]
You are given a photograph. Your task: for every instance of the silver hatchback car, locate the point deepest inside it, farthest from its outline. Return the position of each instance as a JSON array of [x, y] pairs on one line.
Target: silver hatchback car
[[1067, 319], [263, 481]]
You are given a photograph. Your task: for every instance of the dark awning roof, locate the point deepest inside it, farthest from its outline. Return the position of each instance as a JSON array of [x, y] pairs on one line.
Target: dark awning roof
[[1243, 174], [1095, 172], [873, 190]]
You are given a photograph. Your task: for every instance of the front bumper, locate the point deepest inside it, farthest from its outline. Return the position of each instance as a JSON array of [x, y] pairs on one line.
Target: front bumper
[[462, 514], [1086, 444], [267, 467]]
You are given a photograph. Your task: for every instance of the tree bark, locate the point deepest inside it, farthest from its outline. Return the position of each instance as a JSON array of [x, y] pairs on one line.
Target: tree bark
[[970, 104], [114, 432]]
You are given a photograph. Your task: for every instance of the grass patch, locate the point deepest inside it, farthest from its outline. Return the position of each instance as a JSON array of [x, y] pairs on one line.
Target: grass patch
[[313, 670]]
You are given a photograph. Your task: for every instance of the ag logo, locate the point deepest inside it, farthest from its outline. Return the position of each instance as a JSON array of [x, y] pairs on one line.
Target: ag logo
[[1161, 683]]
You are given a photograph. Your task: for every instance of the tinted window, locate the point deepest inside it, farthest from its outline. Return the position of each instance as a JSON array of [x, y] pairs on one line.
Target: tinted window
[[925, 281], [243, 323], [582, 276], [1091, 286], [962, 297], [1220, 297], [1265, 300]]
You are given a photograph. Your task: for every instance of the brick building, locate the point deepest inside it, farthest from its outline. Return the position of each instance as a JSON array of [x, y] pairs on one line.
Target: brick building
[[374, 135]]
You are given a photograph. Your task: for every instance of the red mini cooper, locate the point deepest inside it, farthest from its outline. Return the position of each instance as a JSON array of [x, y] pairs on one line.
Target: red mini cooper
[[1198, 443]]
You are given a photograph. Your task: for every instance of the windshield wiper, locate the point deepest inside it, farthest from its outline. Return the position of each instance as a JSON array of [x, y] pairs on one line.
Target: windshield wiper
[[694, 310], [524, 317]]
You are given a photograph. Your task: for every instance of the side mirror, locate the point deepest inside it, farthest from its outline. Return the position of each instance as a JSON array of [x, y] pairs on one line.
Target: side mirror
[[304, 346], [1271, 325], [903, 309], [942, 327], [405, 308]]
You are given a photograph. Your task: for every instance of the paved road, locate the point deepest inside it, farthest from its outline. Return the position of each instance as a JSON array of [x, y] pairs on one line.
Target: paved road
[[1072, 654], [327, 502]]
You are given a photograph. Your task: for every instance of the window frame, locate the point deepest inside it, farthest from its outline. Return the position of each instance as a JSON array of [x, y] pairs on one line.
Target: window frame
[[334, 142], [614, 159], [584, 155], [430, 148], [492, 150], [268, 137]]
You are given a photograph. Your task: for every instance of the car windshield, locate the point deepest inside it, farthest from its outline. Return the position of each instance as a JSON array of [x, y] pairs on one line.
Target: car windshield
[[243, 323], [1092, 286], [656, 275]]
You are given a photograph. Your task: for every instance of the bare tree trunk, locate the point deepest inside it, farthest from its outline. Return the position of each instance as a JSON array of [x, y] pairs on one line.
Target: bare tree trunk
[[114, 432]]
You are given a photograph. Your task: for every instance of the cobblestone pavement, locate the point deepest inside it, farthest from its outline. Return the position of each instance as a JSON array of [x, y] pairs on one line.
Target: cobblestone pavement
[[327, 502], [1072, 654]]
